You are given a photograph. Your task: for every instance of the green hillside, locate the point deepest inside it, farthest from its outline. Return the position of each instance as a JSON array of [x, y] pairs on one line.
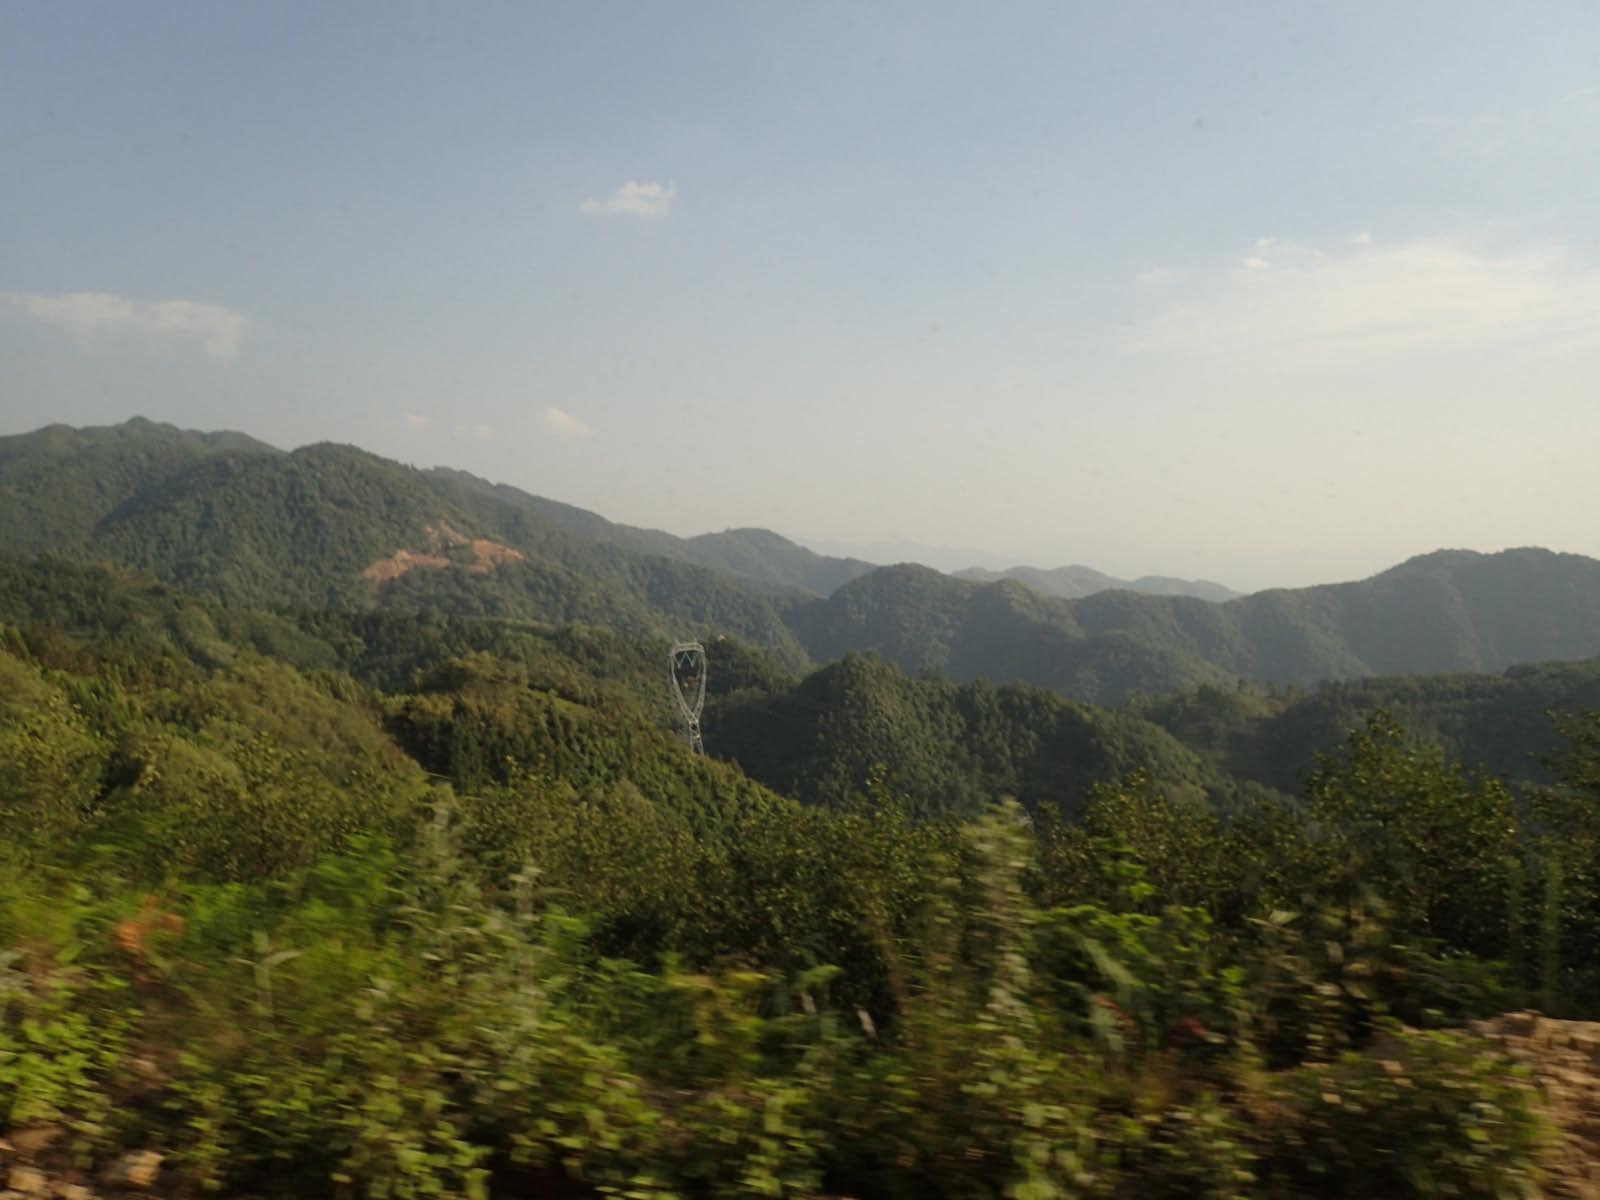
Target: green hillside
[[310, 902], [860, 725], [1448, 611], [58, 483], [755, 557], [1498, 723], [335, 527]]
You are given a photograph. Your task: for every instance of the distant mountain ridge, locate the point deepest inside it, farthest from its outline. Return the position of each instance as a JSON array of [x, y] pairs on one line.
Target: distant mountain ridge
[[1452, 610], [754, 556], [329, 526], [1076, 581]]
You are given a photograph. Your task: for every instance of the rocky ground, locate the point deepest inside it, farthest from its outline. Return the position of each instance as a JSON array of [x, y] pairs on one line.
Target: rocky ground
[[1563, 1058]]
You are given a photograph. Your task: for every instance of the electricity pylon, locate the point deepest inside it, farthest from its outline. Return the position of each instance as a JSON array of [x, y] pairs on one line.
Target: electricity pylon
[[686, 667]]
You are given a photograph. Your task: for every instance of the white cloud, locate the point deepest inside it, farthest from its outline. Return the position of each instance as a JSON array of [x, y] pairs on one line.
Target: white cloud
[[634, 199], [216, 329], [1288, 306], [416, 422], [564, 423]]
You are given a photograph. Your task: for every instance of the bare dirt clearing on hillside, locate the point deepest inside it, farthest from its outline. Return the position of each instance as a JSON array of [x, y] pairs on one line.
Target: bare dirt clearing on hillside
[[486, 555]]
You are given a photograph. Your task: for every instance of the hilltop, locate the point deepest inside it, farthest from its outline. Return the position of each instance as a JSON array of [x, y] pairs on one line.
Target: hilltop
[[335, 527]]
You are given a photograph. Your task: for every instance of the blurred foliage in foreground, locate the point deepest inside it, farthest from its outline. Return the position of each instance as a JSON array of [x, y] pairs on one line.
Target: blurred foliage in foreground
[[479, 927]]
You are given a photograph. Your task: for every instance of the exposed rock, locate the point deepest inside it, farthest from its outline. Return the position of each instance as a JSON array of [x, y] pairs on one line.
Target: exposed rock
[[401, 561], [486, 555], [1563, 1058]]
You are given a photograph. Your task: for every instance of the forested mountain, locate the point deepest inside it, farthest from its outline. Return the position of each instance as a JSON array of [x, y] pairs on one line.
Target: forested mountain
[[58, 483], [1075, 582], [922, 620], [861, 724], [1447, 611], [435, 904], [753, 556], [841, 732], [1498, 723], [334, 527]]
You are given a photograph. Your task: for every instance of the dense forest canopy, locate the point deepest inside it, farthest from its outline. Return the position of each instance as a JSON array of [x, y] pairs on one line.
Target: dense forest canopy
[[317, 879]]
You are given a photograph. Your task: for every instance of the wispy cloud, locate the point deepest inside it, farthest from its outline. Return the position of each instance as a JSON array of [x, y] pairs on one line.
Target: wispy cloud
[[1286, 306], [565, 424], [634, 199], [217, 330], [416, 422]]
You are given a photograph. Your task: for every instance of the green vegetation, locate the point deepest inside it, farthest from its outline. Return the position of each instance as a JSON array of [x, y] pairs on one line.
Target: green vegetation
[[1450, 611], [334, 527], [860, 724], [1499, 723], [227, 518], [392, 903], [319, 880]]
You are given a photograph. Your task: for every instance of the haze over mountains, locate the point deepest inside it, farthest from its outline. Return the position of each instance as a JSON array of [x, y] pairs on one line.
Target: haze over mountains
[[1076, 581], [333, 526]]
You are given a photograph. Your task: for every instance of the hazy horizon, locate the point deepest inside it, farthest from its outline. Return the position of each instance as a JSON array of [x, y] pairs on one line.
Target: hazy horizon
[[947, 559], [1266, 296]]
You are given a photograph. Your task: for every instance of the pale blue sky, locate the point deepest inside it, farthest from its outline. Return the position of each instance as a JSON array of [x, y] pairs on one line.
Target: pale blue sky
[[1273, 293]]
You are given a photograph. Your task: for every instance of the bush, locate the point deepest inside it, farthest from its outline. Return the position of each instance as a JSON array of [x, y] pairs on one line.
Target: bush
[[1419, 1114]]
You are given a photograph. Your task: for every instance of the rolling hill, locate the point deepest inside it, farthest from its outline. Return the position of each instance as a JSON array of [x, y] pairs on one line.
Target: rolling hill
[[329, 526], [334, 527], [1076, 581], [1446, 611]]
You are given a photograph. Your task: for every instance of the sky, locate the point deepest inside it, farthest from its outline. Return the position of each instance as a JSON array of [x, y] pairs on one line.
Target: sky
[[1268, 293]]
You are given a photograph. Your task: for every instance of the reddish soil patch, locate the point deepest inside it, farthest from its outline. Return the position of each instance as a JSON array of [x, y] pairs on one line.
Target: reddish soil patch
[[401, 561], [486, 555], [489, 555]]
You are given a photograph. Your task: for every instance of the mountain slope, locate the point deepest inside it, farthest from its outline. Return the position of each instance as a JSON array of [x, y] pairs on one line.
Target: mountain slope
[[57, 483], [334, 526], [330, 526], [752, 556], [1448, 611], [1498, 722], [860, 723]]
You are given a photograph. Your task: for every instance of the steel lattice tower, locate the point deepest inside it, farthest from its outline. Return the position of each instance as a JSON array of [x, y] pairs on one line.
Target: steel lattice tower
[[686, 668]]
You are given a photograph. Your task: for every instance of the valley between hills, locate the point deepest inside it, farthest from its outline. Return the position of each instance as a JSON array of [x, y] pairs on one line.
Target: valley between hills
[[348, 845]]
